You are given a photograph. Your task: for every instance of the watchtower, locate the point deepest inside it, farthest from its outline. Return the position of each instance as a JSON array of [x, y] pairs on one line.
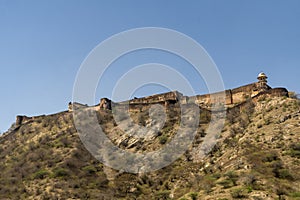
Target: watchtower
[[262, 81]]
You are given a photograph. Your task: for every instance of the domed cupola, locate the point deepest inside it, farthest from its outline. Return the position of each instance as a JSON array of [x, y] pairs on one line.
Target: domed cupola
[[262, 81]]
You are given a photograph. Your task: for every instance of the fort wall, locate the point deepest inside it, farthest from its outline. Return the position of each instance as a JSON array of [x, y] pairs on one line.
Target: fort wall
[[75, 105], [218, 97], [237, 98], [21, 119], [174, 96], [279, 92]]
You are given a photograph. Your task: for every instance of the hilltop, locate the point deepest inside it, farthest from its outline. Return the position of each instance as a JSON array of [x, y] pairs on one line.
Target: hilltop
[[256, 155]]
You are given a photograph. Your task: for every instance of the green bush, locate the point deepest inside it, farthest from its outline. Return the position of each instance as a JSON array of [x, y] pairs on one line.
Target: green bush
[[295, 194], [163, 139], [239, 193], [89, 169], [193, 195], [250, 180], [232, 176], [226, 183], [163, 195], [40, 174], [295, 150], [207, 182], [284, 174], [270, 157], [60, 172]]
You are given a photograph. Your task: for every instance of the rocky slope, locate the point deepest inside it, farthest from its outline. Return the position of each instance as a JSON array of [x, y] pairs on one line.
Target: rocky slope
[[257, 156]]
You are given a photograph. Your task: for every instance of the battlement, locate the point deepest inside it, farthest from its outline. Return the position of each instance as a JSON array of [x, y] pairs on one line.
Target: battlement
[[22, 119], [230, 98], [173, 96], [75, 105]]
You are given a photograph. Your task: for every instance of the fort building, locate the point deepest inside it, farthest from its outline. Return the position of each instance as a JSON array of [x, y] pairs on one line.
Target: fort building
[[229, 98]]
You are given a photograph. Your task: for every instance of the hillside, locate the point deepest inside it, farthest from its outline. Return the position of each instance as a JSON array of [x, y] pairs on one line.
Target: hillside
[[257, 156]]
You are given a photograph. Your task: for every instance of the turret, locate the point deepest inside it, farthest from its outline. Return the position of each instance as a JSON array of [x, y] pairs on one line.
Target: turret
[[105, 104], [262, 81]]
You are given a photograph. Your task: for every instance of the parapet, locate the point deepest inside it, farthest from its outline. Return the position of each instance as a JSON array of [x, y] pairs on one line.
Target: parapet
[[75, 105], [228, 98], [20, 119], [173, 96], [279, 92]]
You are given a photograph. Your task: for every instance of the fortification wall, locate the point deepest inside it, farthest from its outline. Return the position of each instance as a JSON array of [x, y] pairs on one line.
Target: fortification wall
[[240, 94], [246, 88], [203, 99], [21, 119], [169, 96], [246, 105], [279, 92], [243, 93], [75, 105], [238, 98], [231, 96]]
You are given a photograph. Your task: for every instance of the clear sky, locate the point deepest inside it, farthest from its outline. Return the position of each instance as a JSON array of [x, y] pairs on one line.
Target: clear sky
[[43, 43]]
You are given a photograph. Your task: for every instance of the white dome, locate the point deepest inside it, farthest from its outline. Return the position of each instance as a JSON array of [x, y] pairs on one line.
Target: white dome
[[262, 74]]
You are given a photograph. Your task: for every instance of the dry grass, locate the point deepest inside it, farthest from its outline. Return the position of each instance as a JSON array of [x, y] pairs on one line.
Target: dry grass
[[257, 153]]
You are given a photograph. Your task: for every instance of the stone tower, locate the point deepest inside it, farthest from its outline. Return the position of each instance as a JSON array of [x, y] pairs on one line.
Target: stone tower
[[262, 81], [105, 104]]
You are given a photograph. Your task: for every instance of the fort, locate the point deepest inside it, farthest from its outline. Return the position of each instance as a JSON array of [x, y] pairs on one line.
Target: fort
[[232, 98], [241, 94]]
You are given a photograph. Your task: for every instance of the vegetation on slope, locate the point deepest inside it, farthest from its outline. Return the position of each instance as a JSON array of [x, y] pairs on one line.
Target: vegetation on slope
[[257, 157]]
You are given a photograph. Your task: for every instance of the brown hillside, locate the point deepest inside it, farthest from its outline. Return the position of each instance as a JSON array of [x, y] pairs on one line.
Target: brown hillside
[[257, 157]]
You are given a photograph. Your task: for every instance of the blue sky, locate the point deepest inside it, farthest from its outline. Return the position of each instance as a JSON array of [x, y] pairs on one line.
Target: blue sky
[[43, 43]]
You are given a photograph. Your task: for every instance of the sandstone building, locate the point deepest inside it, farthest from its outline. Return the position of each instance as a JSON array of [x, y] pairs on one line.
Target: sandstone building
[[233, 98]]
